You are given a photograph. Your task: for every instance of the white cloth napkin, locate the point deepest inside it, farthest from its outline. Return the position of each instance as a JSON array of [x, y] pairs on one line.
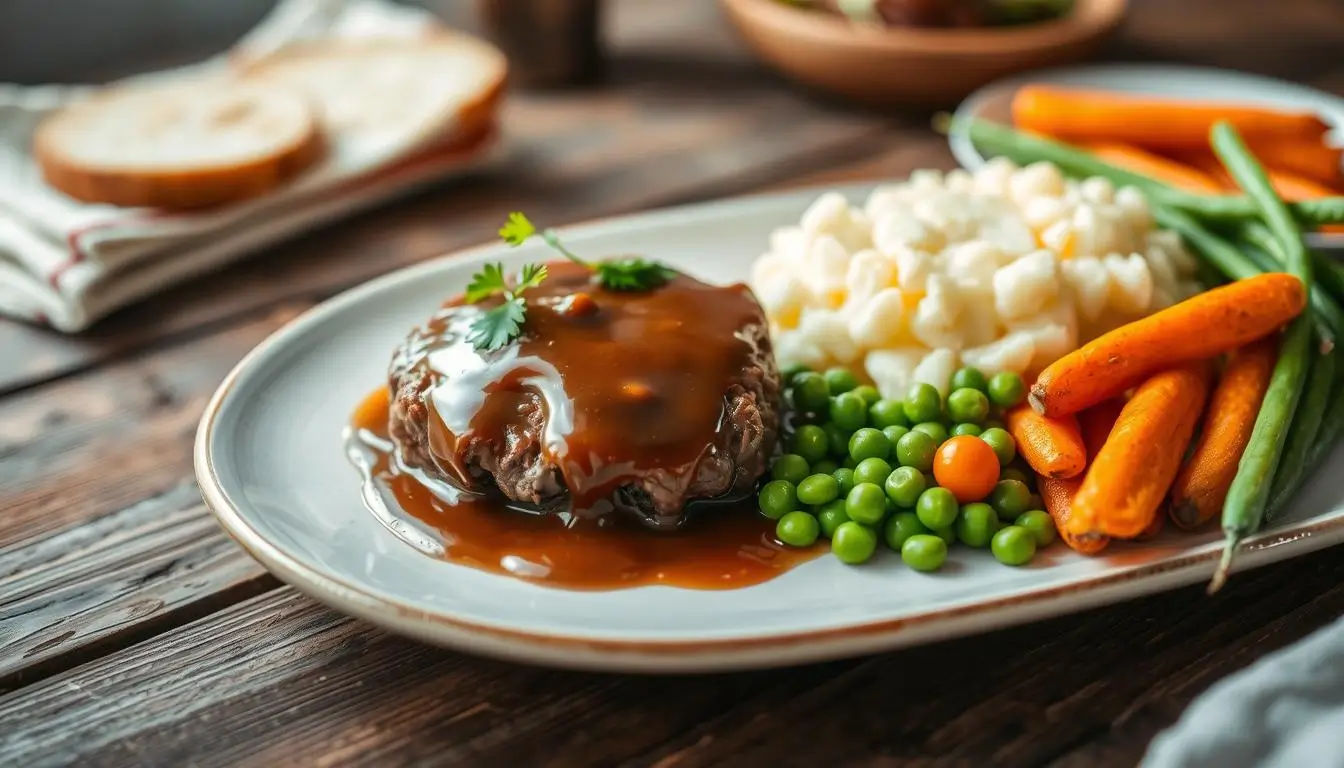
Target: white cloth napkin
[[66, 263], [1284, 711]]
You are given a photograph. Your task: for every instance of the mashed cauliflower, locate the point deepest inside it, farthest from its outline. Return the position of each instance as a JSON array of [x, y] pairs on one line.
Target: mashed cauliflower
[[1005, 270]]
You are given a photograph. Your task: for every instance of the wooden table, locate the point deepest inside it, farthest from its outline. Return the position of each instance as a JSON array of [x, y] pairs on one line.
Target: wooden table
[[132, 630]]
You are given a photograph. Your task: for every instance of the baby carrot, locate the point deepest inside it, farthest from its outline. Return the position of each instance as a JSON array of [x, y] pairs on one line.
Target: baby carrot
[[1080, 114], [1201, 487], [1173, 172], [1124, 488], [1314, 159], [1052, 446], [1200, 327], [1095, 424]]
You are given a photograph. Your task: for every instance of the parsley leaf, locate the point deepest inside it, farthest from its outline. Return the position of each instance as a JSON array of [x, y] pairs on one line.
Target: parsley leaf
[[633, 274], [498, 326], [531, 277], [628, 274], [517, 229], [486, 283]]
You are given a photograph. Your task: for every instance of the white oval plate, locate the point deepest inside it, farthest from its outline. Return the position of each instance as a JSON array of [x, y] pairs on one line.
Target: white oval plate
[[270, 462], [1197, 83]]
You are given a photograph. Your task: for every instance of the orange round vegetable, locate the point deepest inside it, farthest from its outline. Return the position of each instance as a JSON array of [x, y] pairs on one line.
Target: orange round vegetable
[[967, 467]]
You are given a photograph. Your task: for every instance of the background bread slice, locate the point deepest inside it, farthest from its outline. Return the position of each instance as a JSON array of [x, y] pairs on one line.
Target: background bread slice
[[385, 94], [178, 145]]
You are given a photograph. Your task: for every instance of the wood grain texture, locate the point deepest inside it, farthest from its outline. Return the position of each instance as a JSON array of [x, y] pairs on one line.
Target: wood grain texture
[[277, 677]]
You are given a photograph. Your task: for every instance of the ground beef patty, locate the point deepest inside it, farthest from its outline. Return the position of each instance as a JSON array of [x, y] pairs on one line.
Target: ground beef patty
[[637, 403]]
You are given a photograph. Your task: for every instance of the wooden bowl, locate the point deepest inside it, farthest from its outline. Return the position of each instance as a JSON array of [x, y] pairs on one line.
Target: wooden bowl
[[908, 66]]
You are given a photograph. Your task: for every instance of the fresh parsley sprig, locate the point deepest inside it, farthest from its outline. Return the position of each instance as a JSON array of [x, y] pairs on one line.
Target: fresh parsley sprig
[[500, 325], [628, 274]]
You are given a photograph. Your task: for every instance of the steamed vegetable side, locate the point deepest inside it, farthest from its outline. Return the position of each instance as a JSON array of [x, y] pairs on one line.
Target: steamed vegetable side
[[1285, 385]]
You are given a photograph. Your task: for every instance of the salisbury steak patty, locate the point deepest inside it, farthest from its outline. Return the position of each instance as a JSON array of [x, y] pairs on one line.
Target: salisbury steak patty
[[639, 402]]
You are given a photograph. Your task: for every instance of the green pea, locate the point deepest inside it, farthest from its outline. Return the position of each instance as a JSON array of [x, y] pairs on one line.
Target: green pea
[[810, 393], [1010, 498], [1013, 473], [968, 404], [989, 424], [965, 429], [809, 441], [923, 403], [830, 516], [840, 380], [977, 524], [818, 489], [1006, 389], [937, 508], [900, 527], [825, 466], [1035, 502], [1039, 524], [866, 504], [791, 467], [849, 463], [916, 449], [853, 543], [869, 443], [970, 378], [924, 552], [948, 534], [837, 441], [1002, 443], [848, 411], [1013, 545], [934, 430], [844, 480], [777, 498], [873, 471], [798, 529], [792, 372], [869, 394], [887, 413], [894, 434], [904, 485]]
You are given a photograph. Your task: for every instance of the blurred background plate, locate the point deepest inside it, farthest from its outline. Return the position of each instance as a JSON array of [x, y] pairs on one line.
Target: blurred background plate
[[913, 66]]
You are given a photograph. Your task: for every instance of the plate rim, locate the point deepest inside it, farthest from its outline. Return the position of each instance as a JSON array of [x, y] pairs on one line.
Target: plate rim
[[773, 649]]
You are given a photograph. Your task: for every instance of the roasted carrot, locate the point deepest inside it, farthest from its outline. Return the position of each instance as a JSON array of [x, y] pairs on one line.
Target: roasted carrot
[[1201, 487], [1314, 160], [1058, 497], [1129, 478], [1173, 172], [1052, 446], [1154, 528], [1083, 115], [1095, 424], [1201, 327], [1291, 186]]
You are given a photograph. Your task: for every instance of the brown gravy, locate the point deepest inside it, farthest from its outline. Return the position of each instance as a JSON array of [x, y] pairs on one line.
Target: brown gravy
[[629, 383], [726, 548]]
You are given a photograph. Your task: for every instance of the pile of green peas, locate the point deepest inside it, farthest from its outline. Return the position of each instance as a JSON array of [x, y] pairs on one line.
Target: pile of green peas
[[856, 469]]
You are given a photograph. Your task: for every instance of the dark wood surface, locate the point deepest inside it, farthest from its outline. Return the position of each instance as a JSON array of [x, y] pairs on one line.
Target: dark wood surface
[[132, 631]]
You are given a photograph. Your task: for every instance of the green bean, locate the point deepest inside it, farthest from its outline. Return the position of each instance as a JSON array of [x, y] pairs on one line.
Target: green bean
[[1332, 424], [1303, 433], [1022, 148], [1244, 509], [1232, 262], [1253, 180], [1234, 208], [1329, 315]]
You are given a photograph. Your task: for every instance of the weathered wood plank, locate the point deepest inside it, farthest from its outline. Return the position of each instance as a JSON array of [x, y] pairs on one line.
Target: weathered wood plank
[[109, 582], [278, 677], [96, 444]]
